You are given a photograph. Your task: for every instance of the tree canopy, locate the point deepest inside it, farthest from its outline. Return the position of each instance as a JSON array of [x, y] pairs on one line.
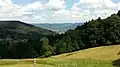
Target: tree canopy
[[99, 32]]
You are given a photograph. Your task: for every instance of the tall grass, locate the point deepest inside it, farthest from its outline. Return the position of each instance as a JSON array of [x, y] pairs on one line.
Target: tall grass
[[94, 57]]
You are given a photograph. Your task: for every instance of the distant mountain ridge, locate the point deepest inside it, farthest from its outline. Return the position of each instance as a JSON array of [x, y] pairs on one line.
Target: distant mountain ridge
[[18, 29], [58, 27]]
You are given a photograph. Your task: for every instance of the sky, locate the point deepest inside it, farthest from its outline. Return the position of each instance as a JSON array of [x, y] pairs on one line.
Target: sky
[[57, 11]]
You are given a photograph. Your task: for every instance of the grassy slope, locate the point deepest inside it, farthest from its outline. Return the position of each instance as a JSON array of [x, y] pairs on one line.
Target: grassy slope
[[93, 57], [99, 53]]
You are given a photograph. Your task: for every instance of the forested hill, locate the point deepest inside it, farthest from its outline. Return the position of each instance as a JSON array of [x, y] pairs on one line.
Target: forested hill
[[20, 30], [21, 40], [99, 32]]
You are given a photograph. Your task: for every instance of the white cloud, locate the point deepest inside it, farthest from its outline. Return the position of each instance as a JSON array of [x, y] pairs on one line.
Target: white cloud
[[96, 8], [33, 6], [6, 8], [118, 6], [56, 4], [55, 11]]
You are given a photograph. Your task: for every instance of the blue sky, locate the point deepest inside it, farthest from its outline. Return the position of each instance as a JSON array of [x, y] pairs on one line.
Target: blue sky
[[57, 11], [22, 1], [68, 2], [30, 1], [116, 0]]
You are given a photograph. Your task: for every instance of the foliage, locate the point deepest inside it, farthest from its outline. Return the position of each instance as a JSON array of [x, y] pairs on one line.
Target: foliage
[[45, 50], [29, 41], [99, 32]]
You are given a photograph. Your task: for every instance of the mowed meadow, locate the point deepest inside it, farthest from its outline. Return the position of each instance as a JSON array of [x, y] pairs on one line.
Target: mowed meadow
[[104, 56]]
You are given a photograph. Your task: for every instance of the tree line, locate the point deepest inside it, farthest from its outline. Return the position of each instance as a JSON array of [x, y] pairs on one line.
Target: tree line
[[99, 32]]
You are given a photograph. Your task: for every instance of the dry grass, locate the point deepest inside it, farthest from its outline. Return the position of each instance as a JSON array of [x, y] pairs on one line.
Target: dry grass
[[93, 57], [99, 53]]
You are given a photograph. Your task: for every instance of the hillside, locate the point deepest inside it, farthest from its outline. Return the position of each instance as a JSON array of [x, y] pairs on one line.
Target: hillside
[[18, 29], [105, 56], [98, 53], [60, 27], [21, 40], [93, 33]]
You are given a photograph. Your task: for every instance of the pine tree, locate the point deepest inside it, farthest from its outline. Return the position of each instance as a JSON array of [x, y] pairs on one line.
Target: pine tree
[[118, 13]]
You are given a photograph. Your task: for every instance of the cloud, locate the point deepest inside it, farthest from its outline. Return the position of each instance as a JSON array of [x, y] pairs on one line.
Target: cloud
[[56, 10], [96, 8], [6, 9], [56, 5]]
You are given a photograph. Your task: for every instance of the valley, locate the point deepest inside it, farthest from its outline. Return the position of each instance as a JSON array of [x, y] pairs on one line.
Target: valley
[[59, 27]]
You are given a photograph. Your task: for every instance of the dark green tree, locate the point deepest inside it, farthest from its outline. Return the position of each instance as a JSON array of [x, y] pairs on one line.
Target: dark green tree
[[46, 50], [118, 13]]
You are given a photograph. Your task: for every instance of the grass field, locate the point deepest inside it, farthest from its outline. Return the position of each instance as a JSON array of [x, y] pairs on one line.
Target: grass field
[[106, 56]]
